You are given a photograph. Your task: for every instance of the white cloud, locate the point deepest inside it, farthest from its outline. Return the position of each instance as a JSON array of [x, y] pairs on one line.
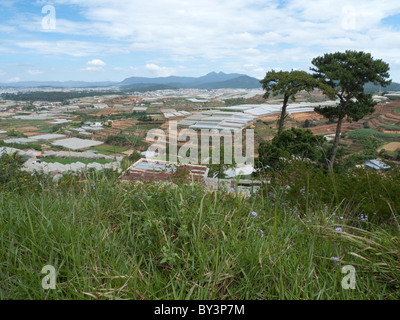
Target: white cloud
[[15, 79], [159, 71], [35, 72], [230, 33], [96, 63], [70, 48]]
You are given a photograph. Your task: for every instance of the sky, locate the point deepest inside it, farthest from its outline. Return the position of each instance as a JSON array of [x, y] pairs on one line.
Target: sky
[[103, 40]]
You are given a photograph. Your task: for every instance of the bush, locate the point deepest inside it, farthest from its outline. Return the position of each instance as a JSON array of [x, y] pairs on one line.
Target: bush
[[292, 143]]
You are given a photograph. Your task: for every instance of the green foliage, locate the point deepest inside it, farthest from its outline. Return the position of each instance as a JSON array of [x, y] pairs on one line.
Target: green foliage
[[11, 177], [124, 140], [15, 134], [134, 156], [56, 96], [362, 134], [308, 124], [347, 73], [145, 118], [124, 115], [289, 84], [294, 143], [235, 101], [357, 191], [217, 170], [109, 240], [391, 127], [36, 146]]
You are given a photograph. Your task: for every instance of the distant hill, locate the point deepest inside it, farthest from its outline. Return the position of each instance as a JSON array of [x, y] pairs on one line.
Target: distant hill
[[212, 80], [143, 87], [371, 88]]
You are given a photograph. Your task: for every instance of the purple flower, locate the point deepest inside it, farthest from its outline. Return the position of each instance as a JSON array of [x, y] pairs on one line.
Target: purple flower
[[93, 186], [335, 258], [254, 214], [339, 230], [262, 233], [93, 237], [194, 197]]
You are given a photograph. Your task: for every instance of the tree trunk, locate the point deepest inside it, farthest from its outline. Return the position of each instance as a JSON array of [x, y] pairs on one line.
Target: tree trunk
[[336, 142], [283, 114]]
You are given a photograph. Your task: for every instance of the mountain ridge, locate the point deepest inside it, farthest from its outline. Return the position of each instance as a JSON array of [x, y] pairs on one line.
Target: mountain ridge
[[211, 80]]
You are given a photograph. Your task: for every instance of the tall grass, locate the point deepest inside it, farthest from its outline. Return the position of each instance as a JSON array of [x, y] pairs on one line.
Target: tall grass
[[110, 240]]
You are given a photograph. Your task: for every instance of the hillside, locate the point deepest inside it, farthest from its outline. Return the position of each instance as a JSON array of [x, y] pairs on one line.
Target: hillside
[[212, 80], [110, 241]]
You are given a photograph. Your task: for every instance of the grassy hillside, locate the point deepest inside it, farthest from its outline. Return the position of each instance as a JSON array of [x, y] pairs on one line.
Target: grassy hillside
[[109, 240]]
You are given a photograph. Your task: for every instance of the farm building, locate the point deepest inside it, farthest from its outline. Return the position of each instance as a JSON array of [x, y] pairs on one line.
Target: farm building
[[157, 170]]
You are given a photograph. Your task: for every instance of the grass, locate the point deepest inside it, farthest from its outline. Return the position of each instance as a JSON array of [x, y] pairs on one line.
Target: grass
[[16, 124], [391, 127], [109, 240], [367, 133]]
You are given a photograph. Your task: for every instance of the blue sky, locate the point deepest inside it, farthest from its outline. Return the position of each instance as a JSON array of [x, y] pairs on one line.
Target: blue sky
[[100, 40]]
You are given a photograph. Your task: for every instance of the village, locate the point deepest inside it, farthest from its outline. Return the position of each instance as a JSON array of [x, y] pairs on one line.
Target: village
[[99, 132]]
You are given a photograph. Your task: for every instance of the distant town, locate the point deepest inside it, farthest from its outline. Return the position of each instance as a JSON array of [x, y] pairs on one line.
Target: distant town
[[99, 132]]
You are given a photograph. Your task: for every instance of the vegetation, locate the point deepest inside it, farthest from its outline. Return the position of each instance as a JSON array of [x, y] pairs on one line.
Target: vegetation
[[364, 133], [109, 240], [347, 73], [290, 144], [36, 146], [84, 116], [56, 96], [124, 140], [15, 134], [289, 84]]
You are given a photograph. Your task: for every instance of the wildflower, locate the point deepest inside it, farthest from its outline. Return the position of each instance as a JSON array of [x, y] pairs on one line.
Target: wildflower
[[93, 186], [93, 237], [341, 218], [254, 214], [262, 233], [339, 230], [335, 259], [374, 213], [194, 197]]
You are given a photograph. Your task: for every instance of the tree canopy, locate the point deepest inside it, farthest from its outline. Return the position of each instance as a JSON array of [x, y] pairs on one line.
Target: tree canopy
[[347, 73], [296, 143], [289, 84]]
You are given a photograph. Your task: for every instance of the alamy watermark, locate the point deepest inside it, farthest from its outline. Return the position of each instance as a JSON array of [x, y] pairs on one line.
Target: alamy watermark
[[196, 145], [49, 21], [349, 281], [49, 281]]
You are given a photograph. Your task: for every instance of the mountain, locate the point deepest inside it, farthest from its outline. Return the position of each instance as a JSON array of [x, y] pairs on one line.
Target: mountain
[[371, 88], [211, 80]]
